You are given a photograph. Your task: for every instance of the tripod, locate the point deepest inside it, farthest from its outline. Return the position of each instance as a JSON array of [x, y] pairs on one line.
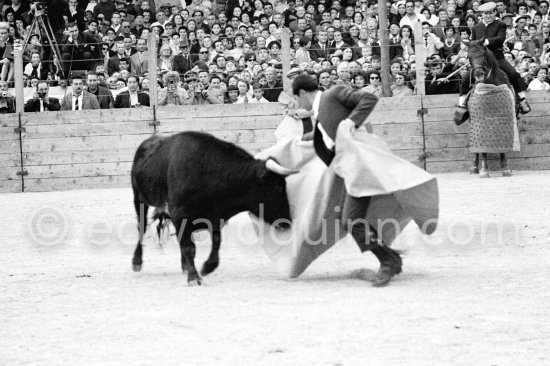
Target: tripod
[[41, 26]]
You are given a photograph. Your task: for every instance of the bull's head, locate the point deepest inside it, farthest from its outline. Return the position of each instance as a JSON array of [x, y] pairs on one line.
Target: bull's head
[[271, 194]]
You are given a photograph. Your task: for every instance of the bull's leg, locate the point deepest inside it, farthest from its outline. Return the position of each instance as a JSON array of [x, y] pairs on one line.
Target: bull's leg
[[475, 164], [506, 172], [184, 231], [484, 171], [213, 260], [141, 210]]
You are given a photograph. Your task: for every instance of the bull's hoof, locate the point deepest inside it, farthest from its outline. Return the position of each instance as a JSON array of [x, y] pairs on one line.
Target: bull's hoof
[[474, 170], [506, 173], [208, 267], [484, 173], [136, 267]]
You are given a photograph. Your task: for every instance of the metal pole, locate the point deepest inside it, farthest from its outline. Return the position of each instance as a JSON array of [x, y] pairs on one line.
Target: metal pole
[[285, 58], [18, 78], [384, 46], [420, 57], [152, 53]]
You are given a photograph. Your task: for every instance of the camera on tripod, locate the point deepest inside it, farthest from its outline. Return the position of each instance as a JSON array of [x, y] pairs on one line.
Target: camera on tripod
[[40, 8]]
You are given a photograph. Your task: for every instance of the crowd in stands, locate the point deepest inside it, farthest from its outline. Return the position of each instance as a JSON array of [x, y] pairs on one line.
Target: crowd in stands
[[211, 52]]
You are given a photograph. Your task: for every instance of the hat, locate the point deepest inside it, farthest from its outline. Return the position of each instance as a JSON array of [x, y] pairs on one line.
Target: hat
[[526, 17], [506, 15], [487, 6], [294, 72], [165, 5], [326, 22]]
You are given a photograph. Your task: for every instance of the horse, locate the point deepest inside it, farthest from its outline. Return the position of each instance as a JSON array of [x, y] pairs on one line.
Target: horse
[[485, 69]]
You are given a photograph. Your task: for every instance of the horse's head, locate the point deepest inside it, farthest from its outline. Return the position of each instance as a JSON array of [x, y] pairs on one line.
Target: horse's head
[[477, 54]]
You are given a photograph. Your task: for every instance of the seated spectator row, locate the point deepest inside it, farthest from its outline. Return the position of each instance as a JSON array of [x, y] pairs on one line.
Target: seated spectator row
[[242, 40]]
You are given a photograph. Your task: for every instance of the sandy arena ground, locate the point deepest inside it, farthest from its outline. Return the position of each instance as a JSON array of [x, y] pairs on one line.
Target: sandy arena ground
[[468, 296]]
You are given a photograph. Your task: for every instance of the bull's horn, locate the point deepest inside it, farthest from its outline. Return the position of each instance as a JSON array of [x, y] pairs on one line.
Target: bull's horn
[[275, 167]]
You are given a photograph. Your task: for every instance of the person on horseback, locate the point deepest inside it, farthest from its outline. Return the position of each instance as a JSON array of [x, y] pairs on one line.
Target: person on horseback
[[492, 32]]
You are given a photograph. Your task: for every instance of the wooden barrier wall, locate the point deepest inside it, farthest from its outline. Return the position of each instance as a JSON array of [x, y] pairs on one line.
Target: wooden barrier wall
[[94, 149]]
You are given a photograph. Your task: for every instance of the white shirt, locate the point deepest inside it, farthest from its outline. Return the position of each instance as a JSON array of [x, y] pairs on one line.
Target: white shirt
[[79, 102], [406, 20], [133, 98], [315, 107], [29, 67]]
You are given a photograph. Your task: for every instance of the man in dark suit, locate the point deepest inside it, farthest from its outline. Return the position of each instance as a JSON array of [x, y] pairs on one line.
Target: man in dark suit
[[341, 103], [492, 32], [132, 97], [103, 95], [80, 50], [182, 62], [74, 14], [396, 50], [79, 99], [319, 50], [40, 100]]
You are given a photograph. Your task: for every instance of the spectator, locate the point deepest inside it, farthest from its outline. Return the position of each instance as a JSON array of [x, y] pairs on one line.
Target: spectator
[[36, 68], [133, 97], [411, 17], [431, 43], [400, 87], [113, 65], [129, 48], [6, 44], [41, 101], [105, 7], [182, 62], [451, 45], [232, 94], [344, 75], [7, 101], [437, 81], [103, 95], [165, 60], [79, 99], [79, 50], [541, 81], [244, 92], [74, 14], [274, 86], [139, 61], [374, 84], [215, 89], [258, 94], [172, 93]]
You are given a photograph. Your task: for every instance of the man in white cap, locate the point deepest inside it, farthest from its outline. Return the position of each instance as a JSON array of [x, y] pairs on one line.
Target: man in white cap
[[493, 33]]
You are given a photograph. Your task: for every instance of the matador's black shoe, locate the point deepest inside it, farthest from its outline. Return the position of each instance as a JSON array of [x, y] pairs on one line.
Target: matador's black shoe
[[390, 265]]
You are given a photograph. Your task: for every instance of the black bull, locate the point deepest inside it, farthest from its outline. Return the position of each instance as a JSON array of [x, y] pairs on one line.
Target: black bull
[[203, 182]]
